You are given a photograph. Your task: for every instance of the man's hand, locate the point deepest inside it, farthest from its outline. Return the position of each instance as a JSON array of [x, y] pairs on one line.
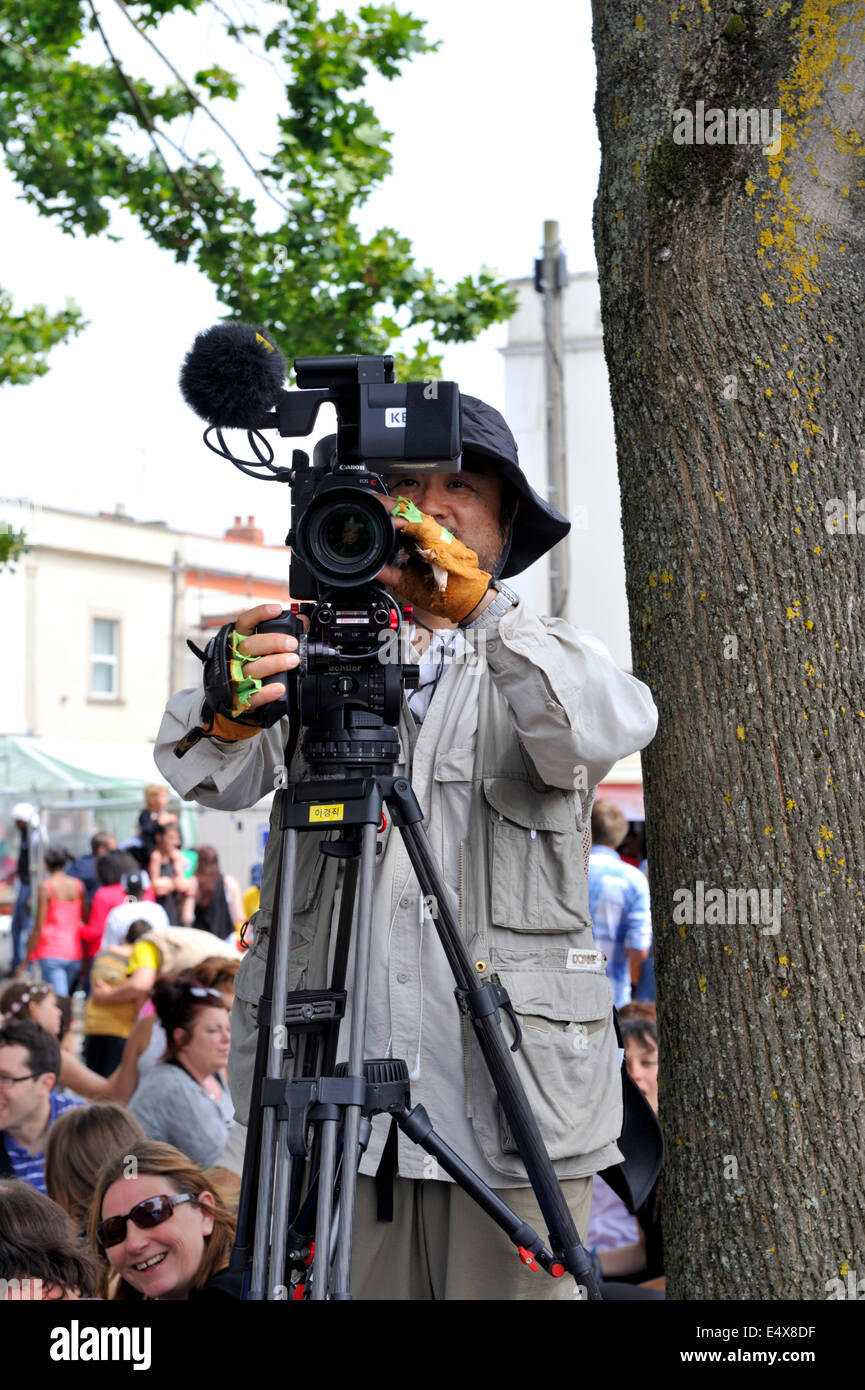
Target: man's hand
[[390, 574], [442, 575], [276, 652]]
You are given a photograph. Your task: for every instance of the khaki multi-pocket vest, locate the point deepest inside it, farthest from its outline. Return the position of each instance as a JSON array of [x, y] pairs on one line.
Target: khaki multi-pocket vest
[[523, 908]]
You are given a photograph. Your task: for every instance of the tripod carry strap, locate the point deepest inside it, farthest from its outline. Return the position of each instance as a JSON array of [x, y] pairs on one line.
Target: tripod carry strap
[[387, 1171]]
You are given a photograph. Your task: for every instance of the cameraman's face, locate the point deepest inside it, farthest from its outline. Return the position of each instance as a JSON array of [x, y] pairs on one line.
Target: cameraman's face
[[467, 503]]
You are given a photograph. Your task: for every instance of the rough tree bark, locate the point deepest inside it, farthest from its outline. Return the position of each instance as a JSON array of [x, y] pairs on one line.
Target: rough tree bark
[[732, 293]]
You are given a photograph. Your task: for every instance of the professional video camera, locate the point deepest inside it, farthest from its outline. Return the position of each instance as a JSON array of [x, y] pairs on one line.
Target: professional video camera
[[340, 535]]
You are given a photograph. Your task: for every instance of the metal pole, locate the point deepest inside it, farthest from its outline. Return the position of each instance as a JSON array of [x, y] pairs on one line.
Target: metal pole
[[553, 279], [172, 653], [351, 1127], [265, 1235]]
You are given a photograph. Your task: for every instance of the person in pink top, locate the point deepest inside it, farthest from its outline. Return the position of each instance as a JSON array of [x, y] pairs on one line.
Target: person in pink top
[[110, 869], [55, 941]]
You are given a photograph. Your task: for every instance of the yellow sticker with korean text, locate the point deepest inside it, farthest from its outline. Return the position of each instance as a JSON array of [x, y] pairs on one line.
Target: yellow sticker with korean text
[[317, 814]]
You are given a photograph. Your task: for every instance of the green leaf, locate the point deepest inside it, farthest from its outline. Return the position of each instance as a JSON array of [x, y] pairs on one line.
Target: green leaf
[[27, 338]]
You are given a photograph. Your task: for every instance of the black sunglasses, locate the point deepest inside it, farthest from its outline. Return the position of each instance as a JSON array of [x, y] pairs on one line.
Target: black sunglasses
[[145, 1215]]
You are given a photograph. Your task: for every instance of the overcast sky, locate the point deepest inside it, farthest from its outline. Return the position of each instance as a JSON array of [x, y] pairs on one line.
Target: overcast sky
[[493, 134]]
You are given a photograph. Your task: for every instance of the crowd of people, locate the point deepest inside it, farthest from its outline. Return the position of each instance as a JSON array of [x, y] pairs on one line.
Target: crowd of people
[[120, 1159], [141, 1089]]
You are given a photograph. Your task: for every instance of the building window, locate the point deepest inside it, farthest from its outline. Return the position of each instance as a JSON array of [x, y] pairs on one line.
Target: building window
[[106, 641]]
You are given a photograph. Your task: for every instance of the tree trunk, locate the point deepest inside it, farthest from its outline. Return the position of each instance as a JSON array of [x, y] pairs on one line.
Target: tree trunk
[[731, 285]]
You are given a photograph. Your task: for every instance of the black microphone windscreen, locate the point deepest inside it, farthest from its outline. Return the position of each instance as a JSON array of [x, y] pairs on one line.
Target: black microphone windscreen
[[232, 376]]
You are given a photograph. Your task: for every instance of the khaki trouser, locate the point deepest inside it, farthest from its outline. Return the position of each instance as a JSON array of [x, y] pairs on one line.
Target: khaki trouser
[[441, 1245]]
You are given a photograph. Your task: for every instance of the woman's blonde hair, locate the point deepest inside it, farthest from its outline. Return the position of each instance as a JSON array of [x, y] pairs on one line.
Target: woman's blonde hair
[[148, 1158], [79, 1144]]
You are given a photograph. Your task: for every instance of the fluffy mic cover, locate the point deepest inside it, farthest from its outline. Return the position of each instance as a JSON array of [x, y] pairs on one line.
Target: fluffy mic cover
[[232, 375]]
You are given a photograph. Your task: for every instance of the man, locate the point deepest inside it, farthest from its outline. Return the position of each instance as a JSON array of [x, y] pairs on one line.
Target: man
[[503, 752], [29, 1068], [27, 823], [84, 867], [619, 902]]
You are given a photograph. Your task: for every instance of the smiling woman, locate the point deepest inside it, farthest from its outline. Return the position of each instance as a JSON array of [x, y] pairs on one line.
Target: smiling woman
[[162, 1226]]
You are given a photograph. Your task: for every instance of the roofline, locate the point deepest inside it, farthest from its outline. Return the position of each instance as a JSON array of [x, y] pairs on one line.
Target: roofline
[[135, 521]]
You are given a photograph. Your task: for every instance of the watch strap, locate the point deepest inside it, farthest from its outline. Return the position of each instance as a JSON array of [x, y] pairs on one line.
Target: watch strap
[[505, 598]]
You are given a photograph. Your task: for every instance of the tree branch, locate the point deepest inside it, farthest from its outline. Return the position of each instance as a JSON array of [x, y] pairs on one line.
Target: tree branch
[[144, 114], [196, 101], [261, 57]]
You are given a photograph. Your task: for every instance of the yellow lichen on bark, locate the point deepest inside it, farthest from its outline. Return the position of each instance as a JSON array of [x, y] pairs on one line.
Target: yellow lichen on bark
[[817, 32]]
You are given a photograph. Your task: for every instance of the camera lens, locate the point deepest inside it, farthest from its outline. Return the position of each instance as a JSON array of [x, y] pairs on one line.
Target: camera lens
[[347, 534], [345, 537]]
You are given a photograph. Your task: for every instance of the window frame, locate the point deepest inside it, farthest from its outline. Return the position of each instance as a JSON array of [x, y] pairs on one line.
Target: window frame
[[113, 661]]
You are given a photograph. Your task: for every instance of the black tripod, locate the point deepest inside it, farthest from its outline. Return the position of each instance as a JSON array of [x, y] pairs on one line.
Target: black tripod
[[295, 1220]]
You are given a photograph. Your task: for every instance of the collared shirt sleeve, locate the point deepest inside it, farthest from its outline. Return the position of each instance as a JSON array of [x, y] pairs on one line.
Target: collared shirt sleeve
[[638, 917], [575, 712], [226, 776]]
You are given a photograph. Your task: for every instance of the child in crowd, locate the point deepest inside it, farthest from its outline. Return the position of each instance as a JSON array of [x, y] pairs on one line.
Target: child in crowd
[[154, 814], [107, 1023]]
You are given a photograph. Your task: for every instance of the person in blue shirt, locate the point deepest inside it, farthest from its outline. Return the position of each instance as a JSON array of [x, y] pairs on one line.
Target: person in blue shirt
[[618, 902], [29, 1105]]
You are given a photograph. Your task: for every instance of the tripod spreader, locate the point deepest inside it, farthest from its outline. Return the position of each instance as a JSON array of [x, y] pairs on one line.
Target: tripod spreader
[[384, 1089], [417, 1126], [384, 1085]]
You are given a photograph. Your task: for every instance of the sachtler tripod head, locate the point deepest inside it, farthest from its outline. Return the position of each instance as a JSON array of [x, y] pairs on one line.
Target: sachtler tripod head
[[347, 689]]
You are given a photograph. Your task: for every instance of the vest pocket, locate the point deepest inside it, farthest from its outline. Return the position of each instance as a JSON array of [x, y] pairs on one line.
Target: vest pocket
[[568, 1062], [536, 875]]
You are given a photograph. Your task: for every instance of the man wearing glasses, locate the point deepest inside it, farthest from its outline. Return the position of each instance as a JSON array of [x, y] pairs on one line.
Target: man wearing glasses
[[29, 1067]]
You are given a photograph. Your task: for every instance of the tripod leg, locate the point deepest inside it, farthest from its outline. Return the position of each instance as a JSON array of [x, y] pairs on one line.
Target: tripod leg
[[324, 1214], [324, 1151], [274, 1069], [245, 1234], [355, 1060]]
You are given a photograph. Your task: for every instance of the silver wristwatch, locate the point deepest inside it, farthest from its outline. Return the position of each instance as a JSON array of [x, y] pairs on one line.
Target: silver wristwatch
[[504, 599]]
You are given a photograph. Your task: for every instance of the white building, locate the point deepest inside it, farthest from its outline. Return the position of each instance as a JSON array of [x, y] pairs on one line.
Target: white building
[[97, 614], [99, 609], [597, 586]]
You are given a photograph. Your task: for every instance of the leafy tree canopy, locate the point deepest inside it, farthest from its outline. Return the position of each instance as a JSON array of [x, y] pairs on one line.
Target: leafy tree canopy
[[81, 136], [26, 338]]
